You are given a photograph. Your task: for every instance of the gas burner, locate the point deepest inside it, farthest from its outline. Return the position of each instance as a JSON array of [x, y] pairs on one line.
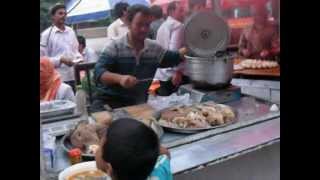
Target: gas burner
[[223, 94]]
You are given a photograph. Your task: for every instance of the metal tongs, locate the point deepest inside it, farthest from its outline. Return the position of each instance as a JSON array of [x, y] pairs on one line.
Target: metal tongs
[[145, 80]]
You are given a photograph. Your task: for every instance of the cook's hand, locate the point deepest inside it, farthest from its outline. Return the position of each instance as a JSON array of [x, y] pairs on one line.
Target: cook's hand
[[66, 61], [264, 53], [128, 81], [183, 51], [177, 78]]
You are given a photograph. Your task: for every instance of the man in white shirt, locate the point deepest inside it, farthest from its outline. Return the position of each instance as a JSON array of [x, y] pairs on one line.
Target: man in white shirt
[[120, 26], [170, 36], [60, 44], [89, 55], [170, 33]]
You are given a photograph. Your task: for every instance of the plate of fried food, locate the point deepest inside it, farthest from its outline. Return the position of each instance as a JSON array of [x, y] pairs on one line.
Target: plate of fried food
[[256, 64], [196, 117]]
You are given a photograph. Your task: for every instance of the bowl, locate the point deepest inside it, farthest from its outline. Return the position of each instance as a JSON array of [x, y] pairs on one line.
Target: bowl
[[85, 166]]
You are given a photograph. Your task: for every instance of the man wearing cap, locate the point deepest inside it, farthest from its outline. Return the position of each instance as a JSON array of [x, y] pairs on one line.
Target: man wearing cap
[[59, 43]]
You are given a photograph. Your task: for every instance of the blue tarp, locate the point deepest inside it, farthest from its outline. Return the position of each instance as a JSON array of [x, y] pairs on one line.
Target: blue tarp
[[92, 10]]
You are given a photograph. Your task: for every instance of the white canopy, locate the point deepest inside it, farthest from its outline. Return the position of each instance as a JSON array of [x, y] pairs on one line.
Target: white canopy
[[91, 10]]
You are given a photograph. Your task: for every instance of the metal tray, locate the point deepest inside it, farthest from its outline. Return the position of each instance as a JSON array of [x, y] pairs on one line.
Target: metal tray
[[157, 116], [67, 146], [56, 108]]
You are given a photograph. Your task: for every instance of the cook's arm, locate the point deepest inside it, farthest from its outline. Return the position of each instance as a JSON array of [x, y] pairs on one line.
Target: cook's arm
[[103, 69]]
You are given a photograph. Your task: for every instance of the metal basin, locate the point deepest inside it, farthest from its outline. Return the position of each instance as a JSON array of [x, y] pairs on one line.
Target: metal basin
[[210, 73]]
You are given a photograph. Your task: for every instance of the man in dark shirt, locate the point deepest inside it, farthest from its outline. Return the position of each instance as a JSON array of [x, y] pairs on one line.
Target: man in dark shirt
[[127, 65]]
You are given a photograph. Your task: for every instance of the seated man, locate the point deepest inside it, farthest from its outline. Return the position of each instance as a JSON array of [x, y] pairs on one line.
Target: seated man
[[89, 55], [127, 65], [261, 40]]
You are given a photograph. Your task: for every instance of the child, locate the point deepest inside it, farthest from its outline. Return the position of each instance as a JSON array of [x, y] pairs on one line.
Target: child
[[131, 150]]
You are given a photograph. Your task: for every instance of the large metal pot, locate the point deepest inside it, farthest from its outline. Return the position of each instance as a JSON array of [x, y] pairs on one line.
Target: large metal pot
[[210, 73]]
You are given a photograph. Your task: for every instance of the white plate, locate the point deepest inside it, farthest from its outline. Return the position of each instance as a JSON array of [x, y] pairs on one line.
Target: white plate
[[85, 166]]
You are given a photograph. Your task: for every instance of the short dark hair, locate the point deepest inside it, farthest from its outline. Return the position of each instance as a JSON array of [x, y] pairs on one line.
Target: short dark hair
[[81, 40], [119, 8], [56, 7], [133, 10], [172, 7], [156, 11], [131, 148]]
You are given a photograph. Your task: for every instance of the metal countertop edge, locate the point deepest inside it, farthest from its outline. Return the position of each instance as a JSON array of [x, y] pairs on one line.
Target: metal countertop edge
[[214, 132], [228, 157]]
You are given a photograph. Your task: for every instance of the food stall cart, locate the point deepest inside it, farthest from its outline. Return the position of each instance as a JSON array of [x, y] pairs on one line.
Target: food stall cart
[[246, 149]]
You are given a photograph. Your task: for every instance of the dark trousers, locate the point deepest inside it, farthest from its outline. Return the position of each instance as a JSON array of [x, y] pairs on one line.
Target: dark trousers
[[72, 84]]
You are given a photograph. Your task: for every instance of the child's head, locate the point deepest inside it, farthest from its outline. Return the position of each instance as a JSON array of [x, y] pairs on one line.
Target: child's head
[[130, 149]]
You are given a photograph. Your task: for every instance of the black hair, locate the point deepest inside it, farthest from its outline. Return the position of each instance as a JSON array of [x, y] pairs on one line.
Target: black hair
[[81, 40], [171, 7], [56, 7], [131, 148], [119, 8], [156, 11], [135, 9]]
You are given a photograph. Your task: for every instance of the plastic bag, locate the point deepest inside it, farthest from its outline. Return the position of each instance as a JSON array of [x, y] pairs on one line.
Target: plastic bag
[[49, 150], [162, 102]]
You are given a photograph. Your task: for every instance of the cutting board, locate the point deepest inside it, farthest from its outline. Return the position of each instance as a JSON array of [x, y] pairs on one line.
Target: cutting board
[[140, 111]]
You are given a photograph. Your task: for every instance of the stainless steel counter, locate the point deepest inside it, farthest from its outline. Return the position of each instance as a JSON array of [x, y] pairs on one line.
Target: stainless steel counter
[[255, 128], [224, 146]]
